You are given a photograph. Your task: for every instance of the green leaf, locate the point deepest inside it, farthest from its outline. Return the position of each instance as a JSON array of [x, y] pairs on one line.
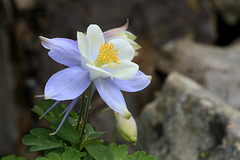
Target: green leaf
[[138, 155], [72, 112], [95, 134], [72, 121], [141, 155], [39, 139], [99, 151], [119, 152], [91, 133], [67, 131], [89, 128], [71, 154], [91, 141], [90, 136], [54, 156], [149, 157], [82, 154], [42, 108], [12, 157], [27, 150], [88, 157], [42, 158]]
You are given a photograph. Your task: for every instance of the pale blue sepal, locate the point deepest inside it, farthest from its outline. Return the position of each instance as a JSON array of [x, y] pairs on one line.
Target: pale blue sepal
[[112, 96], [63, 50], [67, 84], [69, 108], [137, 83], [49, 109]]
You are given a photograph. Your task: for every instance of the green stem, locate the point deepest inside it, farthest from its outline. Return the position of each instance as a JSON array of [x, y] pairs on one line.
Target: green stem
[[86, 114], [115, 135], [81, 111]]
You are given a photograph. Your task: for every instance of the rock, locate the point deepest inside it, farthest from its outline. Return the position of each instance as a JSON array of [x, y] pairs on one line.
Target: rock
[[187, 122], [25, 5], [229, 10], [216, 68], [8, 115], [170, 19]]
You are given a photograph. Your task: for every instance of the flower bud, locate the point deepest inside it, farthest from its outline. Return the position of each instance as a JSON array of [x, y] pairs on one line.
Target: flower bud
[[122, 33], [127, 128]]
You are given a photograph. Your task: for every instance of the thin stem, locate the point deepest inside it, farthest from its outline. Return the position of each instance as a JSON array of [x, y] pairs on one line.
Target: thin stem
[[81, 110], [86, 114], [115, 135]]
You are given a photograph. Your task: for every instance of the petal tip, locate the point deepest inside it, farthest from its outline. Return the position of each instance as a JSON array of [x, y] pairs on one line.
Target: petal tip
[[126, 25], [51, 134], [38, 96], [46, 97], [150, 78], [127, 114], [93, 26], [79, 33], [43, 38]]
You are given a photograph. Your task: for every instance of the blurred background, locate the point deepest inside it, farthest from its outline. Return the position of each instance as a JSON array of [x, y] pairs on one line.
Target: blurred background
[[197, 38]]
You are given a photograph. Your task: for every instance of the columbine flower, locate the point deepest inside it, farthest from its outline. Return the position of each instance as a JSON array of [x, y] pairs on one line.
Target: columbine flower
[[127, 128], [91, 59], [122, 33]]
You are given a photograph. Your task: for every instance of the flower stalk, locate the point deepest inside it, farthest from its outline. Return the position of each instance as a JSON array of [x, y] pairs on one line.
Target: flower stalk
[[85, 114], [81, 111]]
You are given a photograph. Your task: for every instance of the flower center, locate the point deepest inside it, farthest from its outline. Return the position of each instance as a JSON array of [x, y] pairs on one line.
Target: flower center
[[107, 55]]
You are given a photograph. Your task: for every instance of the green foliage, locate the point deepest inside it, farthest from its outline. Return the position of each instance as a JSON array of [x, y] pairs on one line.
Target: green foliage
[[39, 139], [12, 157], [119, 152], [99, 151], [69, 154], [67, 131], [64, 145], [140, 155]]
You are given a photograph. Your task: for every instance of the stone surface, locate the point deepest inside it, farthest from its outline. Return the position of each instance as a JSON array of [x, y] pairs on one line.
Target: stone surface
[[187, 122], [216, 68], [170, 19], [229, 10], [8, 109]]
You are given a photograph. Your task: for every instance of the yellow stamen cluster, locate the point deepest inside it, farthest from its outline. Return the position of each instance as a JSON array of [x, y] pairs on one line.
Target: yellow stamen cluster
[[107, 55]]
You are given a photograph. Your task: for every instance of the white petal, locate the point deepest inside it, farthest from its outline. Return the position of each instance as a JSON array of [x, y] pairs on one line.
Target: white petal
[[130, 35], [125, 51], [137, 83], [134, 44], [112, 96], [95, 39], [82, 44], [67, 84], [125, 70], [96, 72]]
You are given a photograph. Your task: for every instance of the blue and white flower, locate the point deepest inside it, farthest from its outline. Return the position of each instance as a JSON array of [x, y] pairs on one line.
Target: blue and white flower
[[92, 59]]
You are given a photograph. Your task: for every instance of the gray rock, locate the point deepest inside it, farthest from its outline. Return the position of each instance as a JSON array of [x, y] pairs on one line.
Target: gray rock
[[187, 122], [8, 109], [229, 10], [216, 68], [170, 19]]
